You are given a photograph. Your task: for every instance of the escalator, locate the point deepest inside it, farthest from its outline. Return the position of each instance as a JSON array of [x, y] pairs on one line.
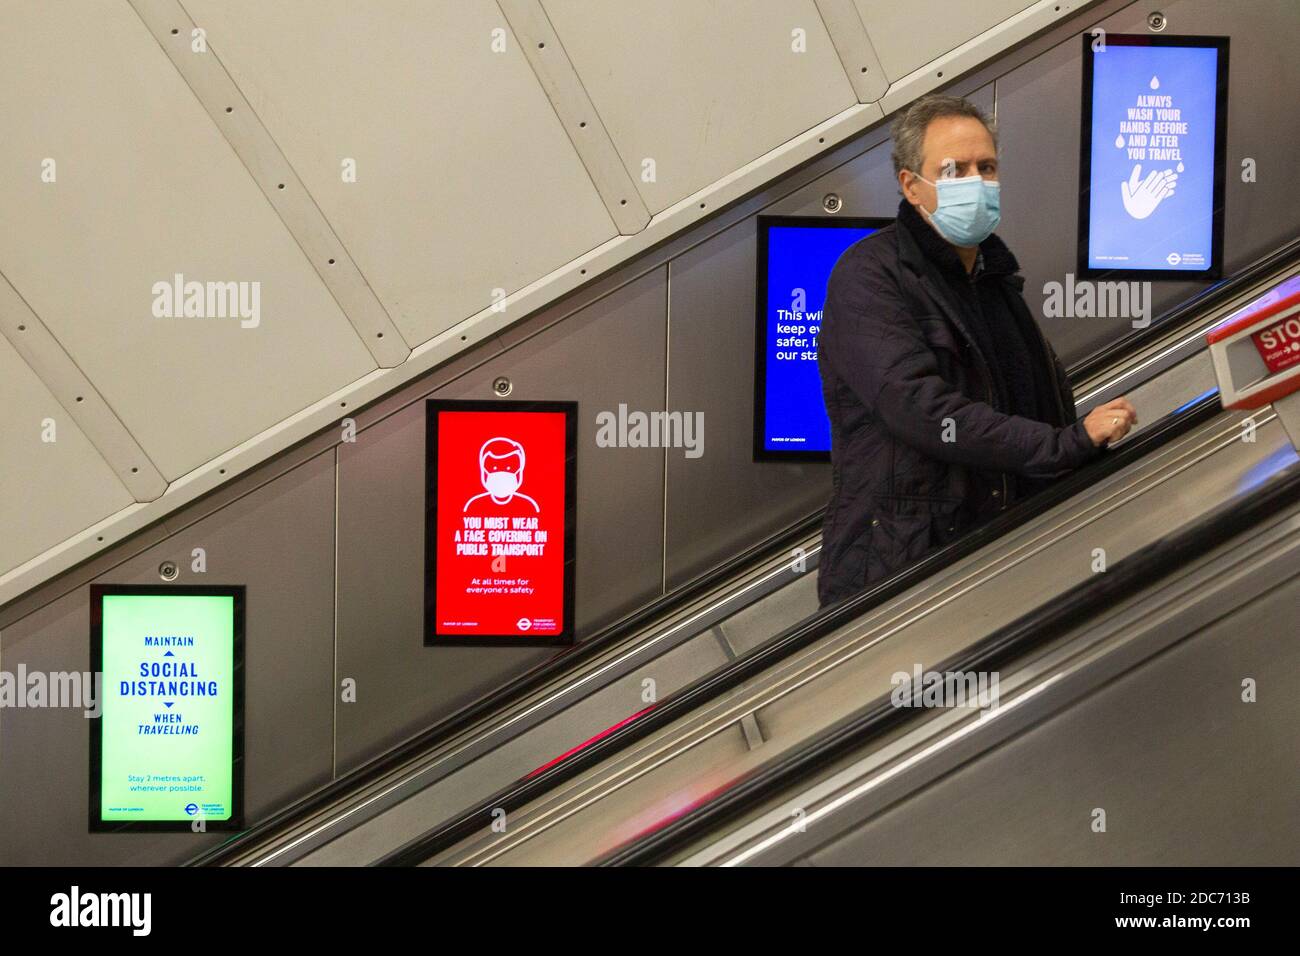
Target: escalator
[[642, 723], [1124, 699]]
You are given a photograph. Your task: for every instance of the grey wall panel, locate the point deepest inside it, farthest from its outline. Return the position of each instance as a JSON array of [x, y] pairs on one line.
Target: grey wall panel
[[63, 486], [279, 542], [89, 250], [722, 499], [700, 88], [1038, 114], [909, 35], [454, 150], [1187, 773], [609, 353], [865, 185]]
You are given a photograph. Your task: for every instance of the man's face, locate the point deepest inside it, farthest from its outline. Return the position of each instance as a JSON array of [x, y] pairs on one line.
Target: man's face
[[954, 147]]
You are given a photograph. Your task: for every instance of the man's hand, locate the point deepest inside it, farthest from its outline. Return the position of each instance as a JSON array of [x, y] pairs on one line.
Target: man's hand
[[1110, 422]]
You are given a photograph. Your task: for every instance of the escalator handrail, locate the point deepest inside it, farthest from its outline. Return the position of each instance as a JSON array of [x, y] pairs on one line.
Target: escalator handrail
[[1056, 617], [794, 638], [1106, 357]]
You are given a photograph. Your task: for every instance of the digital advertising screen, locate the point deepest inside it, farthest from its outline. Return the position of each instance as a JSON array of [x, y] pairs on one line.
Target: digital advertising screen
[[1152, 156], [795, 258], [499, 522], [166, 751]]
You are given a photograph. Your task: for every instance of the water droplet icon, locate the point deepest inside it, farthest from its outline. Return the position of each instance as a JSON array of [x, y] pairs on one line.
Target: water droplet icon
[[1180, 167], [1119, 141], [1155, 83]]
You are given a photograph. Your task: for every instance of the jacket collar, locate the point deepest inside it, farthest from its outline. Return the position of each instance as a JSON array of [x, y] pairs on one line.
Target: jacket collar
[[912, 254]]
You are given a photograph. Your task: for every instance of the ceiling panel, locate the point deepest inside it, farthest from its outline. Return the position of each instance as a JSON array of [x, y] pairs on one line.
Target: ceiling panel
[[465, 180], [49, 491], [702, 88], [147, 188], [906, 36]]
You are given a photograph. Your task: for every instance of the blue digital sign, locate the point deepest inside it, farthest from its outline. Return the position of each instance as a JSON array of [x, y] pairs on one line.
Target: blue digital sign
[[795, 258], [1151, 191]]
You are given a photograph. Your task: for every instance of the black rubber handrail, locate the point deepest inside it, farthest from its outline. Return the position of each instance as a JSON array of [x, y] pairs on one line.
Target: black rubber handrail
[[520, 687], [808, 631], [1209, 298], [995, 652], [512, 692]]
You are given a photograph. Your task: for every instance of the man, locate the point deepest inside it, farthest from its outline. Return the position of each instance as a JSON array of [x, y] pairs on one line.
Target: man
[[946, 402]]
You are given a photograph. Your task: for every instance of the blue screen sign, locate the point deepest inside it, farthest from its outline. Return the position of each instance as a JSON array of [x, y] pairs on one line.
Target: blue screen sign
[[795, 257], [1151, 190]]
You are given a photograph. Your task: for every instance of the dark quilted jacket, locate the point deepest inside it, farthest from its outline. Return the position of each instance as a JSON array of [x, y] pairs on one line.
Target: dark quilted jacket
[[921, 449]]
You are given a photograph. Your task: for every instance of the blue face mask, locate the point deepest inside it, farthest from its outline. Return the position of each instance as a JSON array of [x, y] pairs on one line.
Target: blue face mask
[[969, 209]]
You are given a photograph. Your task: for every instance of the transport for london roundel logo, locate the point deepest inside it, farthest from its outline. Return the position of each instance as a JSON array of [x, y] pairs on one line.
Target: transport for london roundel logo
[[523, 624]]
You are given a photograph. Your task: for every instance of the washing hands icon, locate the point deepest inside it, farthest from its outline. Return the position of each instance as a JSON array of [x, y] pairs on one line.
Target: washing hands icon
[[1141, 196]]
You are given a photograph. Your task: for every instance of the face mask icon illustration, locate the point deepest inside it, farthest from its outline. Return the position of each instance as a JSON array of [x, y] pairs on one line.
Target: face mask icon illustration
[[501, 484], [501, 472]]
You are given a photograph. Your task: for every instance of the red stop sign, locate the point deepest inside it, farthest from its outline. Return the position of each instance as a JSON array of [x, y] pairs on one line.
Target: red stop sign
[[1279, 344]]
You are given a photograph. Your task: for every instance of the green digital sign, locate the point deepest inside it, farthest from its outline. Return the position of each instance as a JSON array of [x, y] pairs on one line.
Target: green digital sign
[[166, 752]]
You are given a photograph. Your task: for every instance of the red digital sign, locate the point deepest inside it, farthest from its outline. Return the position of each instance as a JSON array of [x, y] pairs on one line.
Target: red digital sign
[[1279, 344], [499, 522]]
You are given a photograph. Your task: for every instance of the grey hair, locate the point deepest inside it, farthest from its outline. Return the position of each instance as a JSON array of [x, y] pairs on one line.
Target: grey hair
[[909, 129]]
